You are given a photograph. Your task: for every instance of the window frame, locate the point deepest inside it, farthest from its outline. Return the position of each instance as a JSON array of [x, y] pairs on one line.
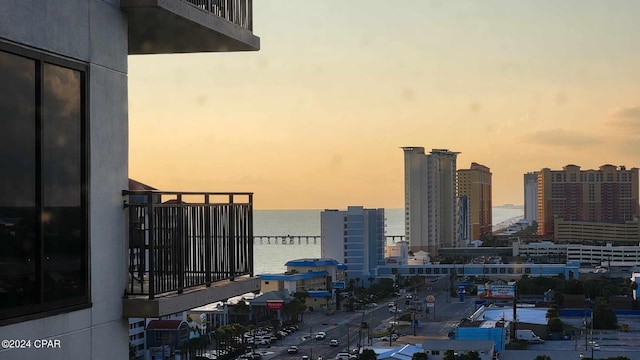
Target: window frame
[[49, 308]]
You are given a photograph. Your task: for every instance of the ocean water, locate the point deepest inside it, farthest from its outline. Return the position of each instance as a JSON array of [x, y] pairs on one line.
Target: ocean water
[[271, 258]]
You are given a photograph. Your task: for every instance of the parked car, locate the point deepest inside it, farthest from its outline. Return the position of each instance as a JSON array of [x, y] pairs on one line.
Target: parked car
[[333, 342], [292, 349]]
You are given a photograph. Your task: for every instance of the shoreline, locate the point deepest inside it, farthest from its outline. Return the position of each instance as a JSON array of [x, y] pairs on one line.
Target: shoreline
[[504, 225]]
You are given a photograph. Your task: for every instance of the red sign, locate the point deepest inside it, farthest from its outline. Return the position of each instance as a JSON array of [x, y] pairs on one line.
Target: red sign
[[275, 304]]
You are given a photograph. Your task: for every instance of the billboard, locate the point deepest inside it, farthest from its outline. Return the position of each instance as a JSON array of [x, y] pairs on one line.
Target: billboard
[[275, 304], [500, 292]]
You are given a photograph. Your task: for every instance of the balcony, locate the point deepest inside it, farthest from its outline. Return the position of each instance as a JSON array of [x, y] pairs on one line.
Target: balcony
[[187, 26], [186, 250]]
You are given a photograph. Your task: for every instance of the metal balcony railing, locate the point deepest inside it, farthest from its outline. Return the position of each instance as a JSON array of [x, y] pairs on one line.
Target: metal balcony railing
[[182, 240], [239, 12]]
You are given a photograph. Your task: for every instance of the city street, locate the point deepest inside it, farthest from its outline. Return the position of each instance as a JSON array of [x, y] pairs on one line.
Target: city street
[[345, 327]]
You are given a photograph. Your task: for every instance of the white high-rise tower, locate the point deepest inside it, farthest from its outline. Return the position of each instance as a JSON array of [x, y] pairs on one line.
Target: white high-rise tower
[[430, 199]]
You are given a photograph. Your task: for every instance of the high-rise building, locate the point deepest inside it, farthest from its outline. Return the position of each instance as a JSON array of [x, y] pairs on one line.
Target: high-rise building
[[531, 196], [75, 263], [608, 195], [475, 184], [354, 237], [464, 220], [430, 199]]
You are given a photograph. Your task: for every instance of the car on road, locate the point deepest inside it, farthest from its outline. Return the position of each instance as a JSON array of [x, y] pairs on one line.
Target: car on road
[[333, 342], [394, 310], [321, 335], [251, 356], [344, 356], [394, 337], [292, 349]]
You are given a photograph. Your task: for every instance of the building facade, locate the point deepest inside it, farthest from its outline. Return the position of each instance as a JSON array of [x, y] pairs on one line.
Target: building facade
[[354, 237], [531, 196], [65, 249], [596, 233], [430, 199], [464, 221], [608, 195], [475, 184]]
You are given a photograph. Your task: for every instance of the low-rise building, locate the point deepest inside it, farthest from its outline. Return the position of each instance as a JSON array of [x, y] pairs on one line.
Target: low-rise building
[[437, 348]]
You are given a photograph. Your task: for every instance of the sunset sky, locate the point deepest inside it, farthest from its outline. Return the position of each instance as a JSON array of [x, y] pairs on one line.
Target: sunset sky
[[316, 118]]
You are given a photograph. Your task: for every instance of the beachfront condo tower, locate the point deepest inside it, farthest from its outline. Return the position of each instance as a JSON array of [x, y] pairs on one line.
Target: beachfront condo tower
[[607, 195], [430, 199], [475, 184], [356, 238]]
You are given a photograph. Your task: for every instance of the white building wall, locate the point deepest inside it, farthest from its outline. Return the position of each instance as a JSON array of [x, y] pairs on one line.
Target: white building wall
[[332, 235], [94, 32], [415, 197]]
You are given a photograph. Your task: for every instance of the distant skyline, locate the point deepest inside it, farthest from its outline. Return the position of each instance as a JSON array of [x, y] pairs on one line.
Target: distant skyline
[[317, 117]]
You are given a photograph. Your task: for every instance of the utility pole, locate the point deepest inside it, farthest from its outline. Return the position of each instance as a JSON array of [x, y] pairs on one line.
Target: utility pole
[[395, 317], [310, 342]]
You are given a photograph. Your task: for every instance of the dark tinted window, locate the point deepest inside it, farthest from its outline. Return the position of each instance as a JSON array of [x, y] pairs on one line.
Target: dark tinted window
[[43, 216]]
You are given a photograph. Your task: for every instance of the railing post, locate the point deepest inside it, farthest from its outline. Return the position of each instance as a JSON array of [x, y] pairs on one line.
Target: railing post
[[250, 235], [250, 15], [181, 241], [232, 235], [152, 246], [207, 240]]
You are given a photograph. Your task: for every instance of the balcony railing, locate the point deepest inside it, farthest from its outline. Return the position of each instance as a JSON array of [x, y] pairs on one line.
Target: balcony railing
[[183, 240], [239, 12]]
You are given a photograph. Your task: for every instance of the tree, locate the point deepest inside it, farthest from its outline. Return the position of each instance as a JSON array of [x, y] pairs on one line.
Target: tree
[[449, 355], [192, 346], [371, 280], [351, 283], [604, 317], [555, 325], [368, 354], [295, 308], [471, 355], [419, 356], [552, 313]]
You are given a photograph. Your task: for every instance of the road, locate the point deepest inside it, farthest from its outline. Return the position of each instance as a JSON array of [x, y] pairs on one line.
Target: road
[[345, 327]]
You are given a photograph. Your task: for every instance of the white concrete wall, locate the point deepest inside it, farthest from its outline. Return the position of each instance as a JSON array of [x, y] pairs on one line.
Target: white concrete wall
[[95, 32], [332, 231]]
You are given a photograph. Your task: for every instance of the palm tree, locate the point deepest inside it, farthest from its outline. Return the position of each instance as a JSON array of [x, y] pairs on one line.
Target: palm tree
[[371, 280], [357, 281], [351, 283]]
